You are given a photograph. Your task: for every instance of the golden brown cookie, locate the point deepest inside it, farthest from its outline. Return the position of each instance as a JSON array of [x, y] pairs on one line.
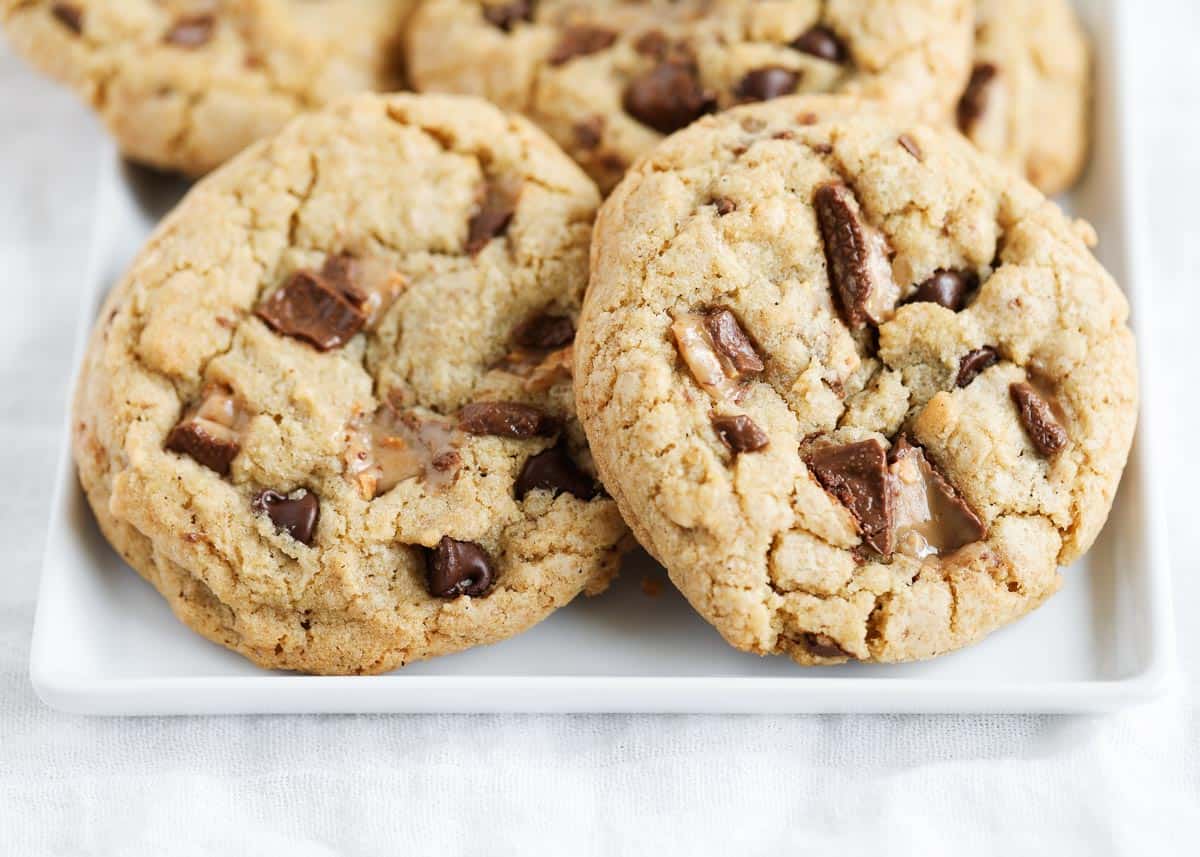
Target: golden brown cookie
[[1028, 98], [609, 79], [185, 84], [328, 413], [858, 387]]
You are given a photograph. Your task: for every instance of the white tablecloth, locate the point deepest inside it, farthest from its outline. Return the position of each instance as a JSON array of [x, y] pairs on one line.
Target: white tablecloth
[[1124, 784]]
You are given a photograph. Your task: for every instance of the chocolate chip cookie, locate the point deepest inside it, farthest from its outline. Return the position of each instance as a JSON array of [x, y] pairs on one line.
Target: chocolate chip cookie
[[858, 387], [1027, 100], [328, 413], [608, 79], [185, 84]]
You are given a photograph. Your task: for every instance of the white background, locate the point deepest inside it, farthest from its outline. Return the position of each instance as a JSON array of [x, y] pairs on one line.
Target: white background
[[829, 786]]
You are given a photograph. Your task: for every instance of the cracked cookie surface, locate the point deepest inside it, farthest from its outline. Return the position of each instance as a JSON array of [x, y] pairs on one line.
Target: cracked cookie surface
[[859, 388], [1028, 98], [328, 412], [608, 79], [184, 85]]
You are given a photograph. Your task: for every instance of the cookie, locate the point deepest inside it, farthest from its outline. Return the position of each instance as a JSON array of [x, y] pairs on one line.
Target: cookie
[[1027, 101], [860, 388], [609, 79], [183, 85], [328, 412]]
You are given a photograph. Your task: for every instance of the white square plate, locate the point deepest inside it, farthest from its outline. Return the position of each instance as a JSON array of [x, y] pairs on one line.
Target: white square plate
[[105, 643]]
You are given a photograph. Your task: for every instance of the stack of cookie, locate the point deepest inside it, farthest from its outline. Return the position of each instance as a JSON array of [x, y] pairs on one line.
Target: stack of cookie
[[396, 380]]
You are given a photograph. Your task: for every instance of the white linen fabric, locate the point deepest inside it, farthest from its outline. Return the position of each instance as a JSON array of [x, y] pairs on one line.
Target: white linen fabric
[[500, 785]]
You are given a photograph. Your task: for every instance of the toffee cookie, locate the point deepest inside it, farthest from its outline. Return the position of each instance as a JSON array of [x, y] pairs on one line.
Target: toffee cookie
[[185, 84], [858, 387], [328, 413], [609, 79], [1027, 101]]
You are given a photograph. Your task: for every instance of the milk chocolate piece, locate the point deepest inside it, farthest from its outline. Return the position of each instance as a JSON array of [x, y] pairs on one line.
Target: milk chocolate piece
[[553, 470], [307, 307], [495, 213], [210, 432], [1037, 416], [930, 517], [856, 475], [975, 362], [297, 516], [716, 351], [668, 97], [740, 433], [857, 257], [580, 41], [457, 568], [507, 419], [823, 43], [763, 84]]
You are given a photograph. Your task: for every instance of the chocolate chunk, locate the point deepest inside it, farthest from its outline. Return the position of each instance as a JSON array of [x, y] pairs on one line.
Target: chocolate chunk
[[930, 516], [191, 31], [209, 431], [535, 358], [766, 83], [297, 516], [580, 41], [494, 215], [590, 132], [856, 256], [69, 15], [975, 362], [668, 97], [216, 450], [740, 433], [717, 352], [506, 419], [545, 331], [822, 646], [371, 285], [611, 162], [307, 307], [856, 475], [974, 101], [823, 43], [731, 341], [910, 145], [524, 360], [901, 445], [652, 43], [947, 288], [457, 568], [506, 15], [557, 366], [553, 470], [341, 270], [724, 205], [1037, 416]]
